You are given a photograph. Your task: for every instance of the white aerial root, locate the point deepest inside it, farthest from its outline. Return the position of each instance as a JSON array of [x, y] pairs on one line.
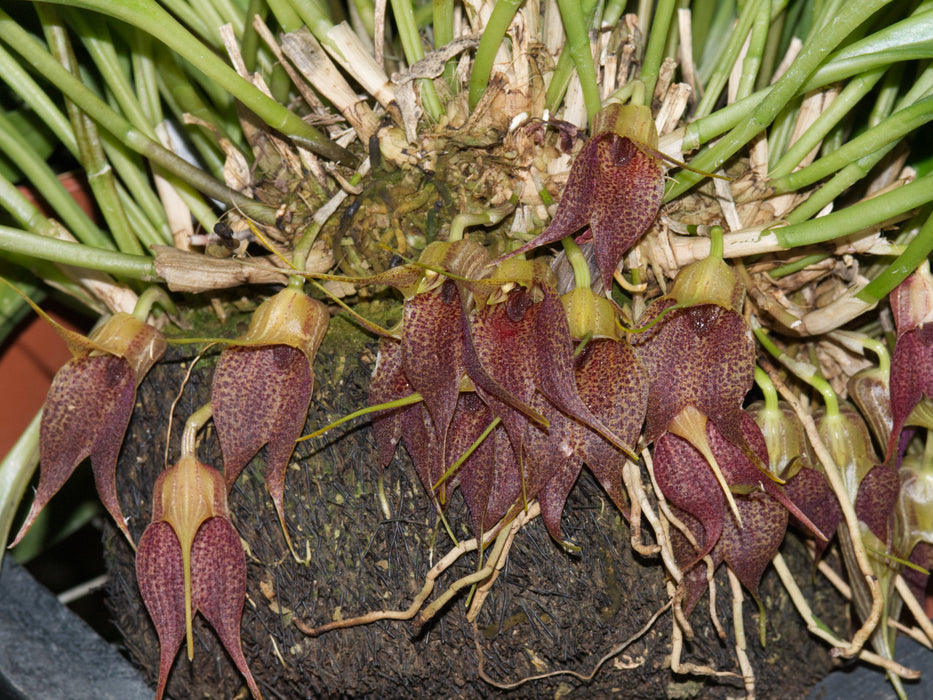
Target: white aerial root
[[915, 633], [817, 628], [920, 616], [848, 510], [497, 563], [677, 648], [711, 587], [639, 501], [501, 538], [748, 674], [668, 519]]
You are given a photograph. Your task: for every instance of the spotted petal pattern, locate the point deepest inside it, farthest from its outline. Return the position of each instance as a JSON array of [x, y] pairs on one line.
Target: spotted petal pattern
[[677, 354], [615, 188], [685, 479], [85, 415], [261, 395], [218, 573]]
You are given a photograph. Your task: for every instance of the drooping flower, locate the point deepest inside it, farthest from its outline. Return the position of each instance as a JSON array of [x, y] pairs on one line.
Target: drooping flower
[[614, 190], [611, 383], [388, 383], [262, 387], [190, 560], [699, 357], [432, 345], [520, 354], [912, 359], [513, 349], [426, 359], [489, 479], [88, 408], [747, 542]]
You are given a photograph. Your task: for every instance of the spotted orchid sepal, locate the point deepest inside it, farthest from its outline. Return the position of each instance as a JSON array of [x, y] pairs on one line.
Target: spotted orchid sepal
[[89, 405], [614, 190], [190, 559], [912, 359], [262, 387]]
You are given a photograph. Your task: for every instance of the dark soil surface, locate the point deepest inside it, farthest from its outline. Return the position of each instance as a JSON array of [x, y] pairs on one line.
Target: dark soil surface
[[548, 611]]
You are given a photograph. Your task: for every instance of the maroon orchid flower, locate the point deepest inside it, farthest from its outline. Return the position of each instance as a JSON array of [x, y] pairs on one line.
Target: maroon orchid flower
[[747, 542], [89, 406], [590, 404], [699, 357], [515, 352], [614, 190], [388, 383], [912, 360], [611, 383], [190, 560], [489, 478], [427, 359], [513, 347], [520, 354], [262, 387]]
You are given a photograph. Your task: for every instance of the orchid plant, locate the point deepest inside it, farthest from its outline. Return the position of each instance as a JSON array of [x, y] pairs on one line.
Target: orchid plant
[[571, 291]]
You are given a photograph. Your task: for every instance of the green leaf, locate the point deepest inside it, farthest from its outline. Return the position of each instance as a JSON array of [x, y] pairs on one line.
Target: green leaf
[[37, 137]]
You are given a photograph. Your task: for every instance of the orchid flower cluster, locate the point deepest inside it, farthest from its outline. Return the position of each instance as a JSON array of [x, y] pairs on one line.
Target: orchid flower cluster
[[501, 387], [189, 559], [521, 386]]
